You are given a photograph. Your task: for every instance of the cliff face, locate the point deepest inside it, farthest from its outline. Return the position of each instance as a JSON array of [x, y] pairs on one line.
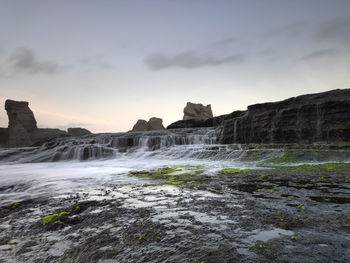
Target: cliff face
[[305, 119]]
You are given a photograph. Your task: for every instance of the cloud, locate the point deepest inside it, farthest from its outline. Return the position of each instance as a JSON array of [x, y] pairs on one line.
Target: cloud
[[288, 31], [228, 41], [189, 60], [335, 29], [98, 62], [318, 54], [25, 60]]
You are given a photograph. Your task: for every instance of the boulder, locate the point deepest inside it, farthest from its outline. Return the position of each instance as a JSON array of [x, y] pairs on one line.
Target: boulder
[[321, 117], [153, 124], [197, 111], [78, 131], [19, 113], [141, 125]]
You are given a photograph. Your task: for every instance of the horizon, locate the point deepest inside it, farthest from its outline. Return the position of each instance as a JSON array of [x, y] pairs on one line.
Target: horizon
[[165, 125], [109, 63]]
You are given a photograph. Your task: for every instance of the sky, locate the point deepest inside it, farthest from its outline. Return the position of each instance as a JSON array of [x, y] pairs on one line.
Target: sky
[[104, 64]]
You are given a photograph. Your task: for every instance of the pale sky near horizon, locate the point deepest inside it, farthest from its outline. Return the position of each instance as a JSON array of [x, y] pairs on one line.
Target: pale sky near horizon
[[104, 64]]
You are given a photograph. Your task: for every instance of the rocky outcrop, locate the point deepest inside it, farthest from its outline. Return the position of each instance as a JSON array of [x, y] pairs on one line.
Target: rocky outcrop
[[152, 125], [321, 117], [20, 116], [4, 136], [155, 124], [210, 122], [197, 111], [78, 131], [22, 129]]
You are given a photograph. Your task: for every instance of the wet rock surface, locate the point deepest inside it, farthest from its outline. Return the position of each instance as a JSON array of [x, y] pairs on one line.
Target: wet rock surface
[[282, 214]]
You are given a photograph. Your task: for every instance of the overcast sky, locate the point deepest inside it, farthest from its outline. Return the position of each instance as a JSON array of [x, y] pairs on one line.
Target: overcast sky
[[104, 64]]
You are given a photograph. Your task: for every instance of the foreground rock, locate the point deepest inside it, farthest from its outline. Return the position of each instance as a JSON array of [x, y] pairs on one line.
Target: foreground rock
[[235, 216], [305, 119], [197, 111], [152, 125], [78, 131]]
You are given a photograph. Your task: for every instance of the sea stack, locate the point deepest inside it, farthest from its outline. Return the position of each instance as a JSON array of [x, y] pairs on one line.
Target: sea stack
[[151, 125], [197, 111]]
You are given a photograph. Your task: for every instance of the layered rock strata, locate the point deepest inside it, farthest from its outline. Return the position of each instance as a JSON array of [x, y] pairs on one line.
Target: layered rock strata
[[321, 117]]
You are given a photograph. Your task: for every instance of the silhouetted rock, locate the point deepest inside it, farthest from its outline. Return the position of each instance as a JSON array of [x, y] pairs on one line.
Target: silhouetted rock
[[19, 113], [197, 111], [4, 136], [153, 124], [303, 119], [78, 131], [22, 129]]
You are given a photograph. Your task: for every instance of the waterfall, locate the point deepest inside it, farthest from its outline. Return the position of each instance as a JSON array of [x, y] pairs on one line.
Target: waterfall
[[235, 131]]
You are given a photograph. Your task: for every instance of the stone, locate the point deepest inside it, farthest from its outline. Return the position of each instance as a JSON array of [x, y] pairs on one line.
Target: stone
[[76, 131], [152, 125], [22, 129], [4, 136], [321, 117], [141, 125], [19, 113], [197, 111], [155, 124]]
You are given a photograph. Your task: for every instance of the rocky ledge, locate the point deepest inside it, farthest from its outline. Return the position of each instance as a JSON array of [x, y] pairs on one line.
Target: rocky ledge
[[321, 117]]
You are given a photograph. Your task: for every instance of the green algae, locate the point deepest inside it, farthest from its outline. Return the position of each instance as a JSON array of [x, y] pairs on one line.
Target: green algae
[[295, 238], [301, 207], [47, 219], [234, 170], [55, 217], [15, 205], [172, 175]]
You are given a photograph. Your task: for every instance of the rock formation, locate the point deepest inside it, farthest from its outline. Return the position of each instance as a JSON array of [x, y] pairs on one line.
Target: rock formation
[[22, 129], [19, 114], [197, 111], [153, 124], [78, 131], [321, 117]]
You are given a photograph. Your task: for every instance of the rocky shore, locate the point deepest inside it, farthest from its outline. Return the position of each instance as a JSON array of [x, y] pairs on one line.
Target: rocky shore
[[291, 213]]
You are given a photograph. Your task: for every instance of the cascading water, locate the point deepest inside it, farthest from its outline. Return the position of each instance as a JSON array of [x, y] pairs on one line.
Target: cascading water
[[103, 146]]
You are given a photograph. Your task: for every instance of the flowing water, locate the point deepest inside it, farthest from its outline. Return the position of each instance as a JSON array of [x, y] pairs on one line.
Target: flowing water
[[68, 165]]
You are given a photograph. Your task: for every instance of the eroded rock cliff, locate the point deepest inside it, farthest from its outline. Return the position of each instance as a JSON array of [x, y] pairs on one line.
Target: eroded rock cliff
[[321, 117]]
